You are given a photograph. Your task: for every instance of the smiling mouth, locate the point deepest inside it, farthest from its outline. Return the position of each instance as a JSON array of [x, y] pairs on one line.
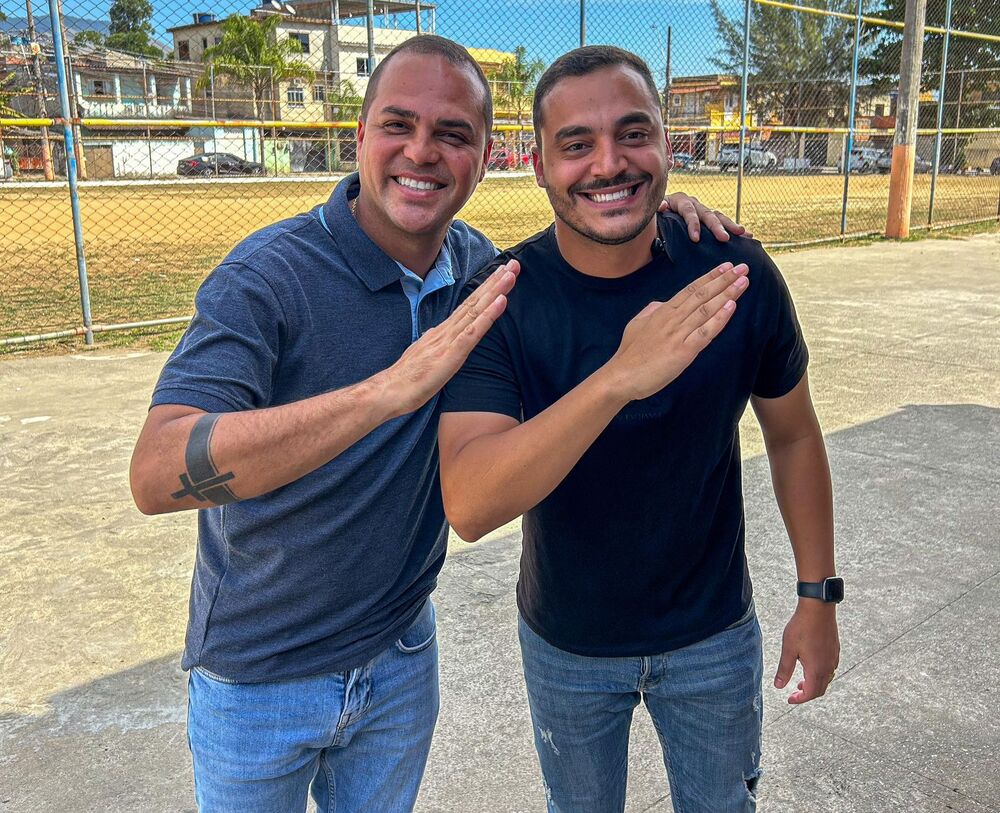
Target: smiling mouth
[[419, 186], [613, 197]]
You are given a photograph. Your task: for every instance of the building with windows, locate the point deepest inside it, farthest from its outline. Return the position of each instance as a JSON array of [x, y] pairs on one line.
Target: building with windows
[[333, 42]]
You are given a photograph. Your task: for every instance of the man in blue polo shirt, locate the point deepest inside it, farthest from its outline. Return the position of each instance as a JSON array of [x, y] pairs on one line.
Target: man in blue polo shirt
[[604, 405], [300, 411]]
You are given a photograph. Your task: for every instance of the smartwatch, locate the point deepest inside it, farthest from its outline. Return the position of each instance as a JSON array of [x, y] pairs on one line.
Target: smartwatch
[[830, 590]]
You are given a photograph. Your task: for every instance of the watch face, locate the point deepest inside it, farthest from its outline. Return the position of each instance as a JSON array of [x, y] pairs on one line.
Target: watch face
[[833, 589]]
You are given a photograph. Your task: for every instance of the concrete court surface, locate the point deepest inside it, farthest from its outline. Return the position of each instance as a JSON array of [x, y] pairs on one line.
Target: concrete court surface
[[906, 376]]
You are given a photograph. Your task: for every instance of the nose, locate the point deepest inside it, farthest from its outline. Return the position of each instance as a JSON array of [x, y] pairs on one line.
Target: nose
[[421, 148], [608, 159]]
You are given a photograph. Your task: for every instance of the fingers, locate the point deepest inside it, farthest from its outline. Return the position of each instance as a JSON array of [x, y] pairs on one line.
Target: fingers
[[708, 285], [498, 284], [688, 208], [810, 687], [786, 668], [727, 226]]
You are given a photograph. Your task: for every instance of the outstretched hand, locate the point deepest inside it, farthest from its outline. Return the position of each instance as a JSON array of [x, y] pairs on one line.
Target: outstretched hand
[[695, 213], [427, 364], [665, 337]]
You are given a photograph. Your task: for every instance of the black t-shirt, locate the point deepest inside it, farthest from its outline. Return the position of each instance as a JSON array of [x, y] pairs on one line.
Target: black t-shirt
[[640, 549]]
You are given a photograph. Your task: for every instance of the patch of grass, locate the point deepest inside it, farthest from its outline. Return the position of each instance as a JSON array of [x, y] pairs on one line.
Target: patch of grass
[[149, 247]]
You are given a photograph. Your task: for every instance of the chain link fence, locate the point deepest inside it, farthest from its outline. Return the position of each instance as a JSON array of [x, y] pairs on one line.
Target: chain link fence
[[194, 122]]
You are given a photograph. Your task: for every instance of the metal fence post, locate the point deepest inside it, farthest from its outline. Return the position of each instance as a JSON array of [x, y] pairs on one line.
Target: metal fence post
[[743, 105], [940, 112], [74, 195], [583, 23], [370, 29], [851, 120]]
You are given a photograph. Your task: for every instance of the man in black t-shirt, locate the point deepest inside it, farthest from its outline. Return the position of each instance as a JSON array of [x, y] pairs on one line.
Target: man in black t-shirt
[[604, 405]]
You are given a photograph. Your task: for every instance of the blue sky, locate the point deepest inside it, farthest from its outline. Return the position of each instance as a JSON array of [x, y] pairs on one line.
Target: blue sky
[[550, 28], [546, 28]]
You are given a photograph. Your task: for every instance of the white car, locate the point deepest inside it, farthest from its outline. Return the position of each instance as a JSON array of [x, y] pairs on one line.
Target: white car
[[753, 158], [863, 159]]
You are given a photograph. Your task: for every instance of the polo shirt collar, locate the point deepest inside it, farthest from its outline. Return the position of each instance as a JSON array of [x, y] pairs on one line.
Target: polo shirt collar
[[370, 264]]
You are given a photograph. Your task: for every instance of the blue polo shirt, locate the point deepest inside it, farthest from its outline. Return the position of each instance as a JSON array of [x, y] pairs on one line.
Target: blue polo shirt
[[326, 572]]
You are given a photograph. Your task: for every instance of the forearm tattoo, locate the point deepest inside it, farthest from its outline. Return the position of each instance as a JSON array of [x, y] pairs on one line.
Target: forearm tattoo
[[202, 479]]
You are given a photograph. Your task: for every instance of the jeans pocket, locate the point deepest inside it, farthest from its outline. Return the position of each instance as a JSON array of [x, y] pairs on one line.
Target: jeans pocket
[[201, 670], [421, 633]]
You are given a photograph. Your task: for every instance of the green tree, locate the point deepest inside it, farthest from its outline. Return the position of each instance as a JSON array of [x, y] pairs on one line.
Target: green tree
[[8, 91], [91, 39], [800, 64], [345, 105], [972, 91], [344, 100], [514, 86], [130, 28], [251, 53]]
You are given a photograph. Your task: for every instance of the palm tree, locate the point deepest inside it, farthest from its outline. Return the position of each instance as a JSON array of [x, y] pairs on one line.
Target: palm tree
[[515, 82], [251, 53], [344, 102]]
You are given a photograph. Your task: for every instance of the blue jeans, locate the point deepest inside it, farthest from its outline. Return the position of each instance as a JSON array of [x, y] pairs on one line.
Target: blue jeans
[[705, 703], [358, 739]]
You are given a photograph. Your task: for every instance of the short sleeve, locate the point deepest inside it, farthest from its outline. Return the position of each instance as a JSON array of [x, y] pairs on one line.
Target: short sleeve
[[226, 359], [487, 381], [784, 357]]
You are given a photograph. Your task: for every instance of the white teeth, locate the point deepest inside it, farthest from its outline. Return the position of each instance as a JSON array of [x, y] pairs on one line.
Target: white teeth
[[413, 184], [598, 198]]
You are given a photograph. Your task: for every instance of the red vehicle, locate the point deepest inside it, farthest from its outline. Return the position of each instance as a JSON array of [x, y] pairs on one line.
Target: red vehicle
[[502, 158]]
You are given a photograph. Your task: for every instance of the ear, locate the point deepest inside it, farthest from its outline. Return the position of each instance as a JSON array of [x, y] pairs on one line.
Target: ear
[[536, 163], [486, 158], [360, 134], [670, 150]]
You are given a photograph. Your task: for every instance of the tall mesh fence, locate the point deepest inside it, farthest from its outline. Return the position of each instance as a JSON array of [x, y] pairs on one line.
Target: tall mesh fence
[[196, 123]]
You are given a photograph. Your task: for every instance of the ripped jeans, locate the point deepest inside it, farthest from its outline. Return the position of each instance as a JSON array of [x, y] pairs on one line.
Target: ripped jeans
[[705, 702]]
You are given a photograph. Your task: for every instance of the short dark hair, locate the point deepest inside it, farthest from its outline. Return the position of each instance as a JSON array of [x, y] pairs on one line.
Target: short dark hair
[[433, 45], [583, 61]]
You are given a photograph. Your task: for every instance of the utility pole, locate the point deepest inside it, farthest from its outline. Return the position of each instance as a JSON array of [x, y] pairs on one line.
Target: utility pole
[[904, 143], [668, 80], [74, 110], [36, 69]]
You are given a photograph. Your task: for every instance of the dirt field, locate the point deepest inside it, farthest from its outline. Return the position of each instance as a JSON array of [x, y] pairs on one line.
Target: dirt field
[[149, 245]]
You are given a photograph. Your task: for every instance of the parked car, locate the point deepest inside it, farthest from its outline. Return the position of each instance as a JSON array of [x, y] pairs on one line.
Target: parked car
[[682, 160], [863, 159], [502, 158], [212, 164], [995, 166], [753, 158], [921, 166]]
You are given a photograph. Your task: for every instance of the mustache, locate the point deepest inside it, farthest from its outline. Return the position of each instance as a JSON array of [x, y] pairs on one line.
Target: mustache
[[619, 180]]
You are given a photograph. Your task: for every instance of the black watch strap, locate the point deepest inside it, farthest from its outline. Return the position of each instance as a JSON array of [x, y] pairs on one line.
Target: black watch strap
[[830, 590]]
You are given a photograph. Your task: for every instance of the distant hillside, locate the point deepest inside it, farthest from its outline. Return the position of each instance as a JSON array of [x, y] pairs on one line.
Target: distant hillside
[[18, 26]]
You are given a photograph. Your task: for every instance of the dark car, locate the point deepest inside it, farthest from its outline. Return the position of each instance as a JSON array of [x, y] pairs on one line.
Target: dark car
[[214, 164], [995, 166]]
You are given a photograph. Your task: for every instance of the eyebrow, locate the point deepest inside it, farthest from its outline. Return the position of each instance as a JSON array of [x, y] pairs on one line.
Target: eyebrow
[[400, 111], [575, 130], [410, 115], [456, 124]]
